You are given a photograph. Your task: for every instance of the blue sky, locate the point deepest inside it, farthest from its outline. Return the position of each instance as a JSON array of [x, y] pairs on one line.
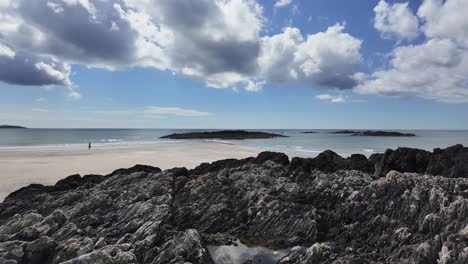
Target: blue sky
[[384, 78]]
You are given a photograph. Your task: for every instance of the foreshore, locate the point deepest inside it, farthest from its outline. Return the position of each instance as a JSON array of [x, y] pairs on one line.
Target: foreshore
[[21, 167]]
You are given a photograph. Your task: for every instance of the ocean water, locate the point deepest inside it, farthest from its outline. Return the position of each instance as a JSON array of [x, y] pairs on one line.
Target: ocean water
[[296, 144]]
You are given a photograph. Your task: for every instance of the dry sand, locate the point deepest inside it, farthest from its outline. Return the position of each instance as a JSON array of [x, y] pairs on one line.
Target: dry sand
[[19, 168]]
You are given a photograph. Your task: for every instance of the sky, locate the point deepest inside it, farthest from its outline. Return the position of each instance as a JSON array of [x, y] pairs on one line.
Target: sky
[[234, 64]]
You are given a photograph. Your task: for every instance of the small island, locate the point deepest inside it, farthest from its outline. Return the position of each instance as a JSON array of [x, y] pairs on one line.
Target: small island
[[224, 134], [345, 132], [11, 127], [374, 133], [384, 134], [309, 132]]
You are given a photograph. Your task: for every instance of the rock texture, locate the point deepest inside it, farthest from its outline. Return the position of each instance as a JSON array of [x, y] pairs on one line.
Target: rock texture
[[224, 134], [327, 210]]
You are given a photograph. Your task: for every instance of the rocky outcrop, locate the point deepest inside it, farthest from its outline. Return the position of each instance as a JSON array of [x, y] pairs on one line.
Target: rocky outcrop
[[224, 134], [450, 162], [323, 210]]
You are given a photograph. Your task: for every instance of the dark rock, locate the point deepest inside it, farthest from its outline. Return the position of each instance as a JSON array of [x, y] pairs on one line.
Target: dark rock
[[326, 209], [450, 162], [276, 157], [309, 132], [224, 134], [29, 191], [402, 160], [137, 168], [39, 251]]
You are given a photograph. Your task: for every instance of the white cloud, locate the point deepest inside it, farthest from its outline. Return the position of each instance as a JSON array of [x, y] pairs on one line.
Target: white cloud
[[6, 51], [215, 41], [327, 59], [435, 69], [254, 86], [445, 19], [41, 100], [57, 8], [396, 19], [174, 111], [61, 75], [282, 3], [74, 95], [331, 98]]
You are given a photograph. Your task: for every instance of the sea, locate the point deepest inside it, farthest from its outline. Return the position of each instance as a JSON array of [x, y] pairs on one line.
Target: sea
[[296, 144]]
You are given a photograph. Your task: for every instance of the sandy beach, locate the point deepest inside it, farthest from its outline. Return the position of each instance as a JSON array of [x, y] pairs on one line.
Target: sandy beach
[[21, 167]]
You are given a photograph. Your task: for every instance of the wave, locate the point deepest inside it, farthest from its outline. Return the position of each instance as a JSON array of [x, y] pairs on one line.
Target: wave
[[219, 141], [368, 150]]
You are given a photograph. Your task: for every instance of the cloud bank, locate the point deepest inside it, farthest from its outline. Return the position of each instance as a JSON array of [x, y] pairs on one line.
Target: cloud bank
[[225, 44], [434, 69], [216, 41]]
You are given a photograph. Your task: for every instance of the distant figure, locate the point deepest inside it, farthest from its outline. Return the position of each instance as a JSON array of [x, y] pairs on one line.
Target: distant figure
[[89, 145]]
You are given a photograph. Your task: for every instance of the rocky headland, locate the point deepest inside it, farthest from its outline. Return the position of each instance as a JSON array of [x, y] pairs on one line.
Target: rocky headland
[[401, 206], [223, 134]]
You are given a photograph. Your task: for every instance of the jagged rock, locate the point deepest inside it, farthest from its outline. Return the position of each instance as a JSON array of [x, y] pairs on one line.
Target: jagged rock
[[402, 160], [186, 247], [327, 209], [449, 162]]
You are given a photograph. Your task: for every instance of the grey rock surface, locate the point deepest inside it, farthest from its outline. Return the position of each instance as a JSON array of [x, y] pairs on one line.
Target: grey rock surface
[[327, 210]]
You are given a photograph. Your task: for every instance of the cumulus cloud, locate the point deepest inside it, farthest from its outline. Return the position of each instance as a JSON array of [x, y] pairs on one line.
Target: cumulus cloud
[[331, 98], [435, 69], [282, 3], [396, 20], [174, 111], [327, 59], [23, 68], [218, 42], [445, 19]]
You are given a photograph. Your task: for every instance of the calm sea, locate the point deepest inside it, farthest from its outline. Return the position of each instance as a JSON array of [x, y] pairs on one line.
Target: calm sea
[[296, 144]]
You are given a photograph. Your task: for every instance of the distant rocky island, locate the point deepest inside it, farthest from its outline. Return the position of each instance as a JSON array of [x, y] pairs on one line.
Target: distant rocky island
[[375, 133], [402, 206], [10, 127], [309, 132], [224, 134]]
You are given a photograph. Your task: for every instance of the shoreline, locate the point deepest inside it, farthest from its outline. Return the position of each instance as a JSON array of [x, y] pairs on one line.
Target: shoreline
[[21, 167]]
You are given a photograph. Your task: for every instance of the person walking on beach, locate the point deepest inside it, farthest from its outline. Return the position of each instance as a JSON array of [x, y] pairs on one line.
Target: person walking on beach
[[89, 145]]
